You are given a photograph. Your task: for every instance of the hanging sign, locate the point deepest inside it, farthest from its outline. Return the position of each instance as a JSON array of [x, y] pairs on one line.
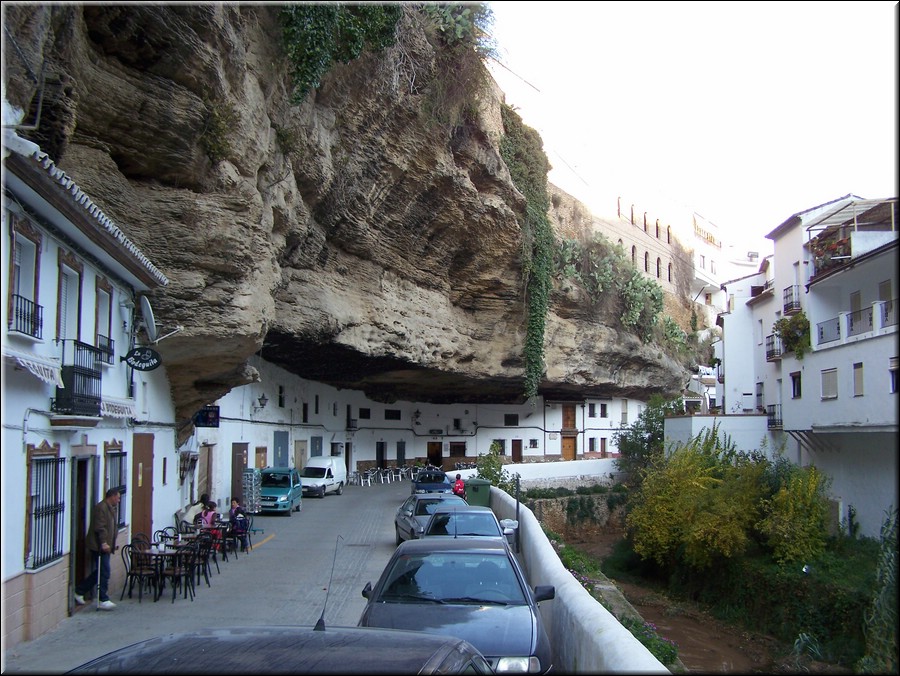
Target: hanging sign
[[143, 359]]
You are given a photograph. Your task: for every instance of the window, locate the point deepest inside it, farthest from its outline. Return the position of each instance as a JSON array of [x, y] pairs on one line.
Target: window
[[511, 420], [702, 262], [712, 266], [760, 397], [26, 315], [532, 443], [603, 411], [592, 444], [592, 410], [857, 379], [670, 272], [796, 389], [304, 412], [68, 318], [707, 299], [634, 256], [646, 261], [501, 444], [334, 409], [668, 234], [892, 369], [45, 506], [829, 384], [624, 411], [657, 228], [316, 405], [281, 396], [165, 470], [116, 474], [365, 413], [658, 268], [103, 320], [392, 414]]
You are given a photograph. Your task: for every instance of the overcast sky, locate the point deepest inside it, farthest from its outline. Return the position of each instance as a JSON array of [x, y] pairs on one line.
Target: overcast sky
[[745, 112]]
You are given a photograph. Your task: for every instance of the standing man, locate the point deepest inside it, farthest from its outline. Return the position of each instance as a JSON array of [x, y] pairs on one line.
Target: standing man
[[101, 540]]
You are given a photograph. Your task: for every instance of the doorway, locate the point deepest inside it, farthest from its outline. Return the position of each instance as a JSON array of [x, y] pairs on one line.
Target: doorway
[[142, 484], [516, 450], [239, 453], [435, 453]]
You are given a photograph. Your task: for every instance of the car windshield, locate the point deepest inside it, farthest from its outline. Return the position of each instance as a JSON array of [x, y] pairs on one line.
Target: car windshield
[[432, 478], [426, 507], [455, 523], [453, 577], [313, 472], [272, 480]]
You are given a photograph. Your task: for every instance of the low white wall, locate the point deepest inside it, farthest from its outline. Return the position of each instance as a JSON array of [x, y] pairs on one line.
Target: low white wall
[[586, 637]]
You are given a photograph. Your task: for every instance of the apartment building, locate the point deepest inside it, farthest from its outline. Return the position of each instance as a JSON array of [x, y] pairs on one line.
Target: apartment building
[[833, 404]]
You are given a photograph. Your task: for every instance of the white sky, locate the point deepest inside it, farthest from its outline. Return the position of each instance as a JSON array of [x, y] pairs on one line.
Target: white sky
[[745, 112]]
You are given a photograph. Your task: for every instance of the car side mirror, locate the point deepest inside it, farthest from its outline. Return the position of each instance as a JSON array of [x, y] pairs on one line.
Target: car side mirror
[[367, 590], [407, 512], [543, 592]]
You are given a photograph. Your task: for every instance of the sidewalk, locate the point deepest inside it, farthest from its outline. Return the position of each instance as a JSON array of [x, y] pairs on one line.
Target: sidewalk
[[283, 581]]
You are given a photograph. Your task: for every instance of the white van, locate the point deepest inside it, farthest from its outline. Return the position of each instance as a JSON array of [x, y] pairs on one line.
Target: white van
[[324, 474]]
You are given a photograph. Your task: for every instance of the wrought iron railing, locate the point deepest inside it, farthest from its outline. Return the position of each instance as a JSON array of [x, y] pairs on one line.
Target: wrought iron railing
[[27, 317], [107, 347], [82, 379], [773, 412], [773, 347], [791, 298]]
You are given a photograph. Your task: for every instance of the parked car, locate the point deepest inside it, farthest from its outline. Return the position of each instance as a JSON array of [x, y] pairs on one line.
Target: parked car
[[415, 511], [469, 521], [293, 650], [472, 588], [323, 475], [432, 481], [281, 490]]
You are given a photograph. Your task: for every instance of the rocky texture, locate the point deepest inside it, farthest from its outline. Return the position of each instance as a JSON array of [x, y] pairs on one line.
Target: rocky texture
[[349, 239]]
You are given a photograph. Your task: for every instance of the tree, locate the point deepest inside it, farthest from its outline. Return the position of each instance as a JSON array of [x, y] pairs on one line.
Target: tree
[[643, 442]]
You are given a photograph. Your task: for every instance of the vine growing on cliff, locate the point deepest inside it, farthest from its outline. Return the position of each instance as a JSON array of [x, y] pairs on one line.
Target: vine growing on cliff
[[315, 36], [522, 150]]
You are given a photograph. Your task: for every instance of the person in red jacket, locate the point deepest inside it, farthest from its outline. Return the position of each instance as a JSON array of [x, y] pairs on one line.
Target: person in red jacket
[[459, 487]]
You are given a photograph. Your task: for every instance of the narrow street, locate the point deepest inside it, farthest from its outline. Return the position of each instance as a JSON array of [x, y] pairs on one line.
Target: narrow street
[[283, 581]]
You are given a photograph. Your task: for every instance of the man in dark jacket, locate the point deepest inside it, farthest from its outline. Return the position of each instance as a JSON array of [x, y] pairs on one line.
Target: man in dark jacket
[[101, 541]]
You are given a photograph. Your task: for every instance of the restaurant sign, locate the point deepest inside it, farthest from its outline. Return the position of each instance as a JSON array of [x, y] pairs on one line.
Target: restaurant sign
[[143, 359]]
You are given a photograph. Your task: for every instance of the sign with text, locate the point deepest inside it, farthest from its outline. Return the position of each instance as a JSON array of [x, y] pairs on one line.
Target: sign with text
[[208, 416], [143, 359]]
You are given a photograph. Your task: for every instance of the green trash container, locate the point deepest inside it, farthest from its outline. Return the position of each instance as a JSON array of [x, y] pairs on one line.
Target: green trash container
[[478, 492]]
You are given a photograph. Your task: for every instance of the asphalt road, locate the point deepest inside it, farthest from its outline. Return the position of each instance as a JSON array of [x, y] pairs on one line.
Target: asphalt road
[[283, 581]]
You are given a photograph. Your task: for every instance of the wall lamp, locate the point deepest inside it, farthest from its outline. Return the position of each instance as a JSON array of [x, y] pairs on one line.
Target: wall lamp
[[263, 400]]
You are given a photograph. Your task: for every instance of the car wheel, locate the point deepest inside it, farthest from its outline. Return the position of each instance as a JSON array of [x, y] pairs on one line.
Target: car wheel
[[322, 492], [399, 539], [291, 510], [340, 488]]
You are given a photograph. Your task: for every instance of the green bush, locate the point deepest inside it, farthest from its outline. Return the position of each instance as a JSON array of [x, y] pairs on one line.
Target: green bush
[[489, 467]]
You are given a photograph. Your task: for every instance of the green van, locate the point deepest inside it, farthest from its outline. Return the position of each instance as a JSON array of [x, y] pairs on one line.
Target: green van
[[281, 490]]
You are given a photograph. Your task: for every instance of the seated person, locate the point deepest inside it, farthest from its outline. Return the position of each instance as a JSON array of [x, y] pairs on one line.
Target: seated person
[[239, 522]]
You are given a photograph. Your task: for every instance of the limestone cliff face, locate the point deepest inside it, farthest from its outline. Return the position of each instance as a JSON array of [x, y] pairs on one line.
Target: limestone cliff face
[[348, 238]]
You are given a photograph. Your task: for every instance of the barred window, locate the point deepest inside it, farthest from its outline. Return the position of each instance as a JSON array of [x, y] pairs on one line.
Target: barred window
[[117, 474], [46, 507]]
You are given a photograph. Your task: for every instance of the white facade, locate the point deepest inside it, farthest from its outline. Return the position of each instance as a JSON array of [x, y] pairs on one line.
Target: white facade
[[835, 408]]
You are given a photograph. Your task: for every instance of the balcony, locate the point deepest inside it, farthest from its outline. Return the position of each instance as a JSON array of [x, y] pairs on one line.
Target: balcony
[[875, 320], [352, 424], [791, 300], [107, 348], [80, 396], [773, 348], [27, 317], [773, 413]]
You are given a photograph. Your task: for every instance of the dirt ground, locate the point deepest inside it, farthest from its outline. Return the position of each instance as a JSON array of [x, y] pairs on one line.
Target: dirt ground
[[705, 644]]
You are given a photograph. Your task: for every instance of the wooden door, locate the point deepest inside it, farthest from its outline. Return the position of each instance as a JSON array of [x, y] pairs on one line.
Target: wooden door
[[261, 457], [435, 453], [569, 448], [517, 450], [141, 489]]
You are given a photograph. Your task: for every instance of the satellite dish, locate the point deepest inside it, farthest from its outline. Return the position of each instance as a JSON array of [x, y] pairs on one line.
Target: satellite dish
[[149, 321]]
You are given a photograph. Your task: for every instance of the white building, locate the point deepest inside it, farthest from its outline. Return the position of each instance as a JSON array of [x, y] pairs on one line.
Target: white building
[[70, 402], [836, 406]]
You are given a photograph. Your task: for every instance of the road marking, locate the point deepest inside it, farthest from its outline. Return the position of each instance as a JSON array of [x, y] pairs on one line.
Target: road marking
[[259, 544]]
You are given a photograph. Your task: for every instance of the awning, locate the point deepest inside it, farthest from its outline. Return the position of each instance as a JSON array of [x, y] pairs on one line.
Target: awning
[[117, 408], [46, 369]]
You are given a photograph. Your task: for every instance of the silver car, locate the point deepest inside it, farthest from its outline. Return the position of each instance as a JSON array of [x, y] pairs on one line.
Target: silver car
[[469, 521], [415, 511]]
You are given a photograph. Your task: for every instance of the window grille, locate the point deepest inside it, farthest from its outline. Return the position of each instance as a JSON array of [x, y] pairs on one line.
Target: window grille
[[44, 540]]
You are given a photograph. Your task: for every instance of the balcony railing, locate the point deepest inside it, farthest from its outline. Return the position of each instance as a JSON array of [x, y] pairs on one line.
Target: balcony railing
[[859, 322], [27, 317], [82, 379], [829, 330], [773, 348], [773, 412], [791, 297], [869, 322], [107, 347]]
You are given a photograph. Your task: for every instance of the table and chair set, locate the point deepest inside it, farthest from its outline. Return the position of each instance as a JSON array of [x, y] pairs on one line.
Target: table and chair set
[[180, 557], [379, 475]]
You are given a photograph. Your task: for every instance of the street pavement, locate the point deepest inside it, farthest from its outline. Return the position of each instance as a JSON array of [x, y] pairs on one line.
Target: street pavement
[[283, 581]]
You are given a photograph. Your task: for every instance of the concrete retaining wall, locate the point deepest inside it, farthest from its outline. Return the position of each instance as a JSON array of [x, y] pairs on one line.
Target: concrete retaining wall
[[586, 637]]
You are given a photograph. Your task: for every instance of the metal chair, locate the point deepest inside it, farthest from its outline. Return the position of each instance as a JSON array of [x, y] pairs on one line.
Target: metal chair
[[140, 570]]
